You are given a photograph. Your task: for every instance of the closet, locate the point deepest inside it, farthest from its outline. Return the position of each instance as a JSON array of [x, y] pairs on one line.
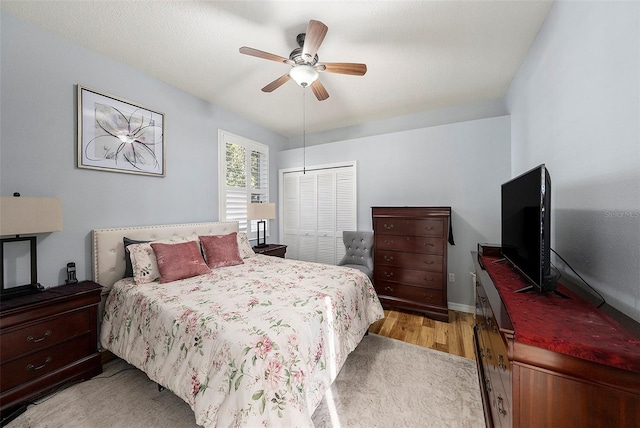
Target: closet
[[316, 206]]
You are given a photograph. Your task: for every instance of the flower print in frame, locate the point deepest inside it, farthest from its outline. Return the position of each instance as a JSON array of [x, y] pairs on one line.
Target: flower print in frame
[[118, 135]]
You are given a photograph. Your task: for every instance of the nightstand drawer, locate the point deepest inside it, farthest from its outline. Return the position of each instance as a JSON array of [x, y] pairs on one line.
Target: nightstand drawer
[[43, 334], [43, 362]]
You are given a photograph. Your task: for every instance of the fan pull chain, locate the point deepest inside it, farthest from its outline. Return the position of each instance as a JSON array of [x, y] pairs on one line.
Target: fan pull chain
[[304, 131]]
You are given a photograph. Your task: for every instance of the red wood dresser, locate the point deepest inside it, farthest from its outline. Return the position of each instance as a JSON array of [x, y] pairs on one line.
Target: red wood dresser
[[548, 361], [46, 340], [410, 258]]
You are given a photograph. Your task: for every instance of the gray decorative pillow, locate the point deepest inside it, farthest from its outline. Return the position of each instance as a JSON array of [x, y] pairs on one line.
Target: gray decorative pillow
[[128, 268]]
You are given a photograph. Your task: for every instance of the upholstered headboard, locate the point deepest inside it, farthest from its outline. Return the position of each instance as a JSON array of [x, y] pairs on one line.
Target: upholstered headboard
[[108, 248]]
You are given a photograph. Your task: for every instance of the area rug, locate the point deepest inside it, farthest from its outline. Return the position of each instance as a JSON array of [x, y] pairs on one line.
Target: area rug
[[384, 383]]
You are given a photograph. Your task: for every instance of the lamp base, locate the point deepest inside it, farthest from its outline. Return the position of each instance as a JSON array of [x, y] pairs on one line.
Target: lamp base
[[262, 242]]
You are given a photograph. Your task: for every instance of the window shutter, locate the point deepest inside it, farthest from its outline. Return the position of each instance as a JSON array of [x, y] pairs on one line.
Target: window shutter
[[244, 177]]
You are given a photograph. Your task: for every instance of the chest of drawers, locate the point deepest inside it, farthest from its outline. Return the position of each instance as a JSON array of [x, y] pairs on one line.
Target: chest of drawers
[[410, 258], [46, 340]]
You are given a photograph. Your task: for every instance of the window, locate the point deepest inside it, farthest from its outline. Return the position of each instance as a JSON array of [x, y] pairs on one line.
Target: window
[[244, 177]]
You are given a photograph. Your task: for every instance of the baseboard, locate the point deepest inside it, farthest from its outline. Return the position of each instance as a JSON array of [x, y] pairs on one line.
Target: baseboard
[[461, 308], [106, 356]]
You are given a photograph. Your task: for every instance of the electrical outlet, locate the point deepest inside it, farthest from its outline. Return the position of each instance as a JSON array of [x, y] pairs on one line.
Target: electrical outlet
[[452, 277]]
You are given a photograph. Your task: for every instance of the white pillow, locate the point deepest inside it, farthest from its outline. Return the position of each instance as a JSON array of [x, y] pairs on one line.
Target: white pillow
[[143, 259], [244, 247]]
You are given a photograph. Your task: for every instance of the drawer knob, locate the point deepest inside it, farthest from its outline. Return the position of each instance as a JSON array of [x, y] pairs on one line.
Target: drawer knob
[[429, 244], [388, 226], [428, 279], [388, 241], [388, 289], [428, 228], [388, 274], [31, 367], [388, 258], [33, 340], [428, 262]]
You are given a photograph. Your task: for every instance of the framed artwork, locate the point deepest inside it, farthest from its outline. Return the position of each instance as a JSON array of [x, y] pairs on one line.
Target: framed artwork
[[119, 136]]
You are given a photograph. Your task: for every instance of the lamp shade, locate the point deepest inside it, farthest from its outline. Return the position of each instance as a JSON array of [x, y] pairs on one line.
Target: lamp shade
[[20, 215], [265, 211]]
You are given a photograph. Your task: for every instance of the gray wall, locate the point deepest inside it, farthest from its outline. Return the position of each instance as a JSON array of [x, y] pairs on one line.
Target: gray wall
[[575, 105], [460, 165], [38, 146]]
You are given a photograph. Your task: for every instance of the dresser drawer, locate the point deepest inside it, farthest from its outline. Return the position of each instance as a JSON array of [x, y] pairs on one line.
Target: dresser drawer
[[43, 334], [430, 262], [410, 276], [43, 362], [421, 295], [412, 244], [407, 226]]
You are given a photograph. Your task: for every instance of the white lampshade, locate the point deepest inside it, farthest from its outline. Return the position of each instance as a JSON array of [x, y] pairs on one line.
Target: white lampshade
[[20, 215], [266, 211], [303, 75]]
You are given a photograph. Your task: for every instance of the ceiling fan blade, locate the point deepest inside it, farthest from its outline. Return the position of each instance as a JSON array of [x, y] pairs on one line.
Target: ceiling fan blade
[[276, 83], [265, 55], [316, 31], [319, 91], [342, 68]]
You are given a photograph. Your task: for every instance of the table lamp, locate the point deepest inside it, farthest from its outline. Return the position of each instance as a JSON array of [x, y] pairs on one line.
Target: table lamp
[[25, 215], [261, 212]]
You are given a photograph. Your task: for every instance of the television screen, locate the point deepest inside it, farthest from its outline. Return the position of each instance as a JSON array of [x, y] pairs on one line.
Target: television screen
[[526, 226]]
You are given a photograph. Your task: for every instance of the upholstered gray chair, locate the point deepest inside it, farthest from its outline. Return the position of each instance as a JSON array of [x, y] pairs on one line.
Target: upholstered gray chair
[[359, 247]]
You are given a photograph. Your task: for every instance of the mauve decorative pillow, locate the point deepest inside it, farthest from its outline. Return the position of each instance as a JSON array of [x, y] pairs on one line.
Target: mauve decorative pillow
[[179, 261], [143, 259], [221, 250]]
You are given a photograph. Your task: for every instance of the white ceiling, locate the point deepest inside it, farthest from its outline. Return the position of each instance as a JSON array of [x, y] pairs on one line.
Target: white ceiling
[[420, 55]]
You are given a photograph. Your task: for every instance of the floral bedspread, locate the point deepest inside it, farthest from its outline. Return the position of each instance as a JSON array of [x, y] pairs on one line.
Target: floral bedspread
[[256, 344]]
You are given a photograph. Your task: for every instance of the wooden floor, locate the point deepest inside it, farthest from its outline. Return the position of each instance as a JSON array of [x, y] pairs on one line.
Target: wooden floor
[[454, 337]]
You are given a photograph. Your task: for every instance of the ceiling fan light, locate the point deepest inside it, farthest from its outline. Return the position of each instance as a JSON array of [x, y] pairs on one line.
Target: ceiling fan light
[[304, 75]]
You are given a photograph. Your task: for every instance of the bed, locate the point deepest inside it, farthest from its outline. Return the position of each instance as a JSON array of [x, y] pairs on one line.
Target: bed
[[252, 344]]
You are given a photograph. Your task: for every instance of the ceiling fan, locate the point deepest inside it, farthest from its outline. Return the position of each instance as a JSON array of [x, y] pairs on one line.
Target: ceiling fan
[[303, 60]]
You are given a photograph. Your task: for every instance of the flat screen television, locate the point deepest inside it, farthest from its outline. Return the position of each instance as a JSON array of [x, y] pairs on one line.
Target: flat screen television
[[526, 227]]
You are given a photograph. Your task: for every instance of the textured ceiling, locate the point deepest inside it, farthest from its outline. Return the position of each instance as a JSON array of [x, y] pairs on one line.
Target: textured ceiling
[[420, 55]]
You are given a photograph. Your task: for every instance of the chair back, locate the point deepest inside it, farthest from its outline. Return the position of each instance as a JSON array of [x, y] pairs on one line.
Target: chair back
[[359, 249]]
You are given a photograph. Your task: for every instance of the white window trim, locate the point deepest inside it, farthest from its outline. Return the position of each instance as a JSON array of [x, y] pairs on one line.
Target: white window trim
[[225, 137]]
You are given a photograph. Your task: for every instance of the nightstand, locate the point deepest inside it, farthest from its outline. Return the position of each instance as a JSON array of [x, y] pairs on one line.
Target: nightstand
[[276, 250], [46, 340]]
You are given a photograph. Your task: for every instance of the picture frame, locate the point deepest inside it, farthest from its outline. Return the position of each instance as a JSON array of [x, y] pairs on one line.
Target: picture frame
[[118, 135]]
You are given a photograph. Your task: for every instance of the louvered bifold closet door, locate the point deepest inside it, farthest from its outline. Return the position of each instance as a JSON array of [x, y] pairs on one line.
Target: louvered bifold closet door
[[346, 208], [307, 232], [326, 218], [317, 207], [291, 213]]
